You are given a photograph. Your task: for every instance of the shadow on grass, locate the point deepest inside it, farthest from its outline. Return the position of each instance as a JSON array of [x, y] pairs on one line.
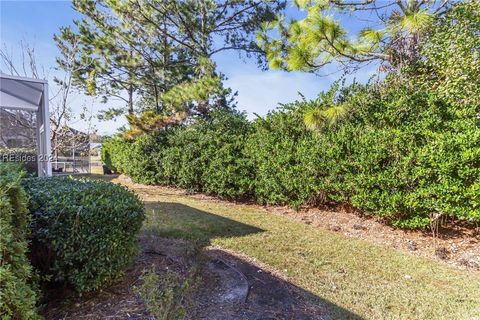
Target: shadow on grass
[[269, 297], [176, 220]]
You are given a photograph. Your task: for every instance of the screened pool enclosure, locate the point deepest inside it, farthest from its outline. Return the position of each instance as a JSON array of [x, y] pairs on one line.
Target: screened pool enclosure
[[25, 122]]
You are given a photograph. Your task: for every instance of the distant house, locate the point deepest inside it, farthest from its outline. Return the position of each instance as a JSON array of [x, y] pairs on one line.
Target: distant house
[[95, 148], [71, 151], [70, 143]]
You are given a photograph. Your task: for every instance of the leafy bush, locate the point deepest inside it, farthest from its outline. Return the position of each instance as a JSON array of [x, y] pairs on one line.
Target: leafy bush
[[398, 152], [277, 148], [17, 298], [209, 156], [164, 296], [452, 55], [205, 156], [85, 231], [135, 158]]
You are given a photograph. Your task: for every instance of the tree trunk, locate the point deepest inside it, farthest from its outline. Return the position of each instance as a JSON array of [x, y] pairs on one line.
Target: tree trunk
[[130, 99]]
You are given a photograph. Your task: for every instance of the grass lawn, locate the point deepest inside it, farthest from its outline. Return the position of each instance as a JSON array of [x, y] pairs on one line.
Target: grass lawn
[[357, 279]]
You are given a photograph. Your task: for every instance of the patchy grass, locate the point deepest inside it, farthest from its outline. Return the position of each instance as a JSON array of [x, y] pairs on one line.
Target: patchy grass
[[354, 278]]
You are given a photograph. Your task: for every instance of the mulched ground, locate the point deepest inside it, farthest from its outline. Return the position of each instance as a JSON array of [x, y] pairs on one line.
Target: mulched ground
[[457, 243], [229, 287]]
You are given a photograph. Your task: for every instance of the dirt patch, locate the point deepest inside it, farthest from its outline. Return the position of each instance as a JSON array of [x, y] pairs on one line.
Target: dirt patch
[[238, 289], [457, 243], [229, 287]]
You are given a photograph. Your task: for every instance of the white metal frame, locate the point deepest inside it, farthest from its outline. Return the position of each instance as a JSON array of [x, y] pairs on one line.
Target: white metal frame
[[30, 94]]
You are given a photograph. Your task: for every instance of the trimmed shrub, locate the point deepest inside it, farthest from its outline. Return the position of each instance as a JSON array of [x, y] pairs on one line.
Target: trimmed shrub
[[116, 154], [85, 231], [206, 156], [401, 154], [17, 298], [135, 158], [276, 148]]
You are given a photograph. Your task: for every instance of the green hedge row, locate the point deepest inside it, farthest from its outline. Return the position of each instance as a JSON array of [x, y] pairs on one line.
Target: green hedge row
[[399, 153], [206, 156], [17, 298]]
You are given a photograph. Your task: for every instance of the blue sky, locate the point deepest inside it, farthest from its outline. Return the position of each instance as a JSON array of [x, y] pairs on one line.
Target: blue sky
[[35, 22]]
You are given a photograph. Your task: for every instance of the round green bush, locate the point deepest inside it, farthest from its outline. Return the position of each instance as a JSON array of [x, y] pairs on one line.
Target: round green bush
[[84, 231]]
